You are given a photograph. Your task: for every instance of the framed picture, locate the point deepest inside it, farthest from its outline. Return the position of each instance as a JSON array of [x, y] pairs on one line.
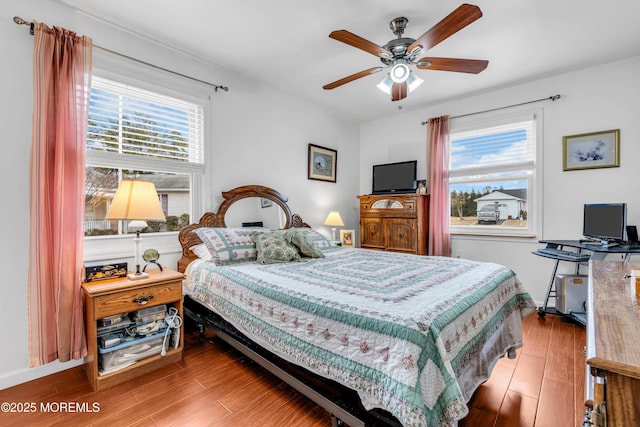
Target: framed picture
[[322, 163], [346, 238], [265, 203], [591, 150]]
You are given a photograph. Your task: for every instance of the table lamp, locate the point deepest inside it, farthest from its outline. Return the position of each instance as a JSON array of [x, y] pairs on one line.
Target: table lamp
[[334, 220], [136, 201]]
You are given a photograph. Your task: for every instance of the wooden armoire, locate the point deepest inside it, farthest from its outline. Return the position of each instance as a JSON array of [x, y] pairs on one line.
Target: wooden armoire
[[395, 222]]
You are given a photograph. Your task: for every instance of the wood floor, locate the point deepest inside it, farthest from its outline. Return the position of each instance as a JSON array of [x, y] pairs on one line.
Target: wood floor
[[216, 386]]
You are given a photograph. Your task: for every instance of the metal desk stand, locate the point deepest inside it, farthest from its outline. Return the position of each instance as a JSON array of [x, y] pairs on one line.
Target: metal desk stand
[[554, 251]]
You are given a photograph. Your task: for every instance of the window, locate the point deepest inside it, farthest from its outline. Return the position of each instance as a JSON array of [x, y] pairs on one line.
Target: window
[[492, 177], [140, 134]]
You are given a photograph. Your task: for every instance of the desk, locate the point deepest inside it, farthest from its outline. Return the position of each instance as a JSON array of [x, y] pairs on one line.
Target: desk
[[613, 353], [598, 252]]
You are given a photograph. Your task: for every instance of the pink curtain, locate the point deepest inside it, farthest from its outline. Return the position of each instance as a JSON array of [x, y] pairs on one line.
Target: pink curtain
[[438, 185], [61, 78]]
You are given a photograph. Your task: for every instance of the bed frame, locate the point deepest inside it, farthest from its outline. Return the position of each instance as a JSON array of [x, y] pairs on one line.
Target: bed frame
[[341, 402], [188, 238]]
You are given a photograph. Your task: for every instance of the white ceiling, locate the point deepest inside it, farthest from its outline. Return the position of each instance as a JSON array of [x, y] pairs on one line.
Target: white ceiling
[[285, 43]]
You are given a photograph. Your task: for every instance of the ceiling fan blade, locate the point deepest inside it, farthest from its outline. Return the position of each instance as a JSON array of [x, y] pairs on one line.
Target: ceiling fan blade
[[454, 22], [473, 66], [351, 39], [351, 78], [399, 91]]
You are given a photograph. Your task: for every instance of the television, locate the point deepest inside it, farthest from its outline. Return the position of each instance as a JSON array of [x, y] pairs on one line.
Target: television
[[605, 222], [397, 177]]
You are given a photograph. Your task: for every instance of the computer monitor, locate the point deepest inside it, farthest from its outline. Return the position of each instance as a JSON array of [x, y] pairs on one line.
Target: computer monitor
[[605, 221]]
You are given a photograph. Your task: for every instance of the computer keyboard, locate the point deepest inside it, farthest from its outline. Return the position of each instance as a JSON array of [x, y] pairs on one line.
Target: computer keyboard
[[554, 251], [563, 254]]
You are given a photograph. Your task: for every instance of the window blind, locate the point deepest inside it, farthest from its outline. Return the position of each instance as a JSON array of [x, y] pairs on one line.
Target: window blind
[[511, 144], [129, 120]]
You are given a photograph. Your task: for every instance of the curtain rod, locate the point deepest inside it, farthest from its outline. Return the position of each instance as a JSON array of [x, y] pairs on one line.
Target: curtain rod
[[21, 21], [551, 98]]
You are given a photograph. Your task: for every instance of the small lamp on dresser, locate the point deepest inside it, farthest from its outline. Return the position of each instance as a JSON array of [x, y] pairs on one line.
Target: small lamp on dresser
[[333, 220], [136, 201]]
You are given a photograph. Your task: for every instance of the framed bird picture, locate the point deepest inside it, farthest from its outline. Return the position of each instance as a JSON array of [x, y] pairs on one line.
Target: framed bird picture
[[322, 163]]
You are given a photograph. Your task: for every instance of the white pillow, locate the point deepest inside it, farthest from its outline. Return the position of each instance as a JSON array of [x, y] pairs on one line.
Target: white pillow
[[202, 252]]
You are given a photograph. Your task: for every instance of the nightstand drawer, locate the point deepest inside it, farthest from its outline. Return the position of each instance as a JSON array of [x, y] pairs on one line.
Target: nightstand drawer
[[137, 299]]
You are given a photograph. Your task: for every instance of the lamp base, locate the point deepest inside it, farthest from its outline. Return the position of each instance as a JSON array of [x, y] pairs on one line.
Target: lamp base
[[137, 276]]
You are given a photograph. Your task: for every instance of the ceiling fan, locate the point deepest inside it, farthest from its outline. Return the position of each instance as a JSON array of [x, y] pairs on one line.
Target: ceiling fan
[[402, 52]]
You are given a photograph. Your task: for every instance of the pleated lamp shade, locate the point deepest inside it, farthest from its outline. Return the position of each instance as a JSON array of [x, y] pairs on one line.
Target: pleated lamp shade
[[136, 200]]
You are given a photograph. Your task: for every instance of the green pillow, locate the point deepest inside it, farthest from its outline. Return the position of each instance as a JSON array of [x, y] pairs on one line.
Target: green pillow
[[304, 242], [273, 247]]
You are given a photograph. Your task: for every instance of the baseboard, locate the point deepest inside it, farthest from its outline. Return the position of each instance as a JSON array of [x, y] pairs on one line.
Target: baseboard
[[20, 376]]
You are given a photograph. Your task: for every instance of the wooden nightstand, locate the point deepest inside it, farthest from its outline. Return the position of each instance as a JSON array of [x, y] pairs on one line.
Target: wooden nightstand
[[121, 296]]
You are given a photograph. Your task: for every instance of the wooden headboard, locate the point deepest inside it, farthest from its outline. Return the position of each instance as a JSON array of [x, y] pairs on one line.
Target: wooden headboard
[[188, 238]]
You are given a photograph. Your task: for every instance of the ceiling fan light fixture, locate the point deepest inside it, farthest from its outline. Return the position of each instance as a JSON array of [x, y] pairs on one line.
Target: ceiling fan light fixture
[[413, 82], [400, 72], [386, 84], [403, 52]]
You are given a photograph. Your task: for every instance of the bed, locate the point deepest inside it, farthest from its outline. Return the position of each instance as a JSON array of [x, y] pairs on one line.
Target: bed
[[376, 338]]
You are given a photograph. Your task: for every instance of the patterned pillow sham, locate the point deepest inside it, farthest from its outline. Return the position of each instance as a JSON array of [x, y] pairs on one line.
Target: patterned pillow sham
[[306, 246], [317, 238], [273, 247], [228, 245]]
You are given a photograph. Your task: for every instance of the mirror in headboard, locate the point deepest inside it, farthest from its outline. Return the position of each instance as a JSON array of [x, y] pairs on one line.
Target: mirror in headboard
[[255, 212], [240, 206]]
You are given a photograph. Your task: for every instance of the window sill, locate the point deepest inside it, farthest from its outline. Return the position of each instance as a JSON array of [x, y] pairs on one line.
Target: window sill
[[481, 235], [99, 248]]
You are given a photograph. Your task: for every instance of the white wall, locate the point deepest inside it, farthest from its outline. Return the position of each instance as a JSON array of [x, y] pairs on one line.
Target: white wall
[[595, 99], [258, 136]]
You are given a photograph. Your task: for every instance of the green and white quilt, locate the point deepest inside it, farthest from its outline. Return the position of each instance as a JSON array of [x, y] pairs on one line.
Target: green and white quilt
[[413, 335]]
